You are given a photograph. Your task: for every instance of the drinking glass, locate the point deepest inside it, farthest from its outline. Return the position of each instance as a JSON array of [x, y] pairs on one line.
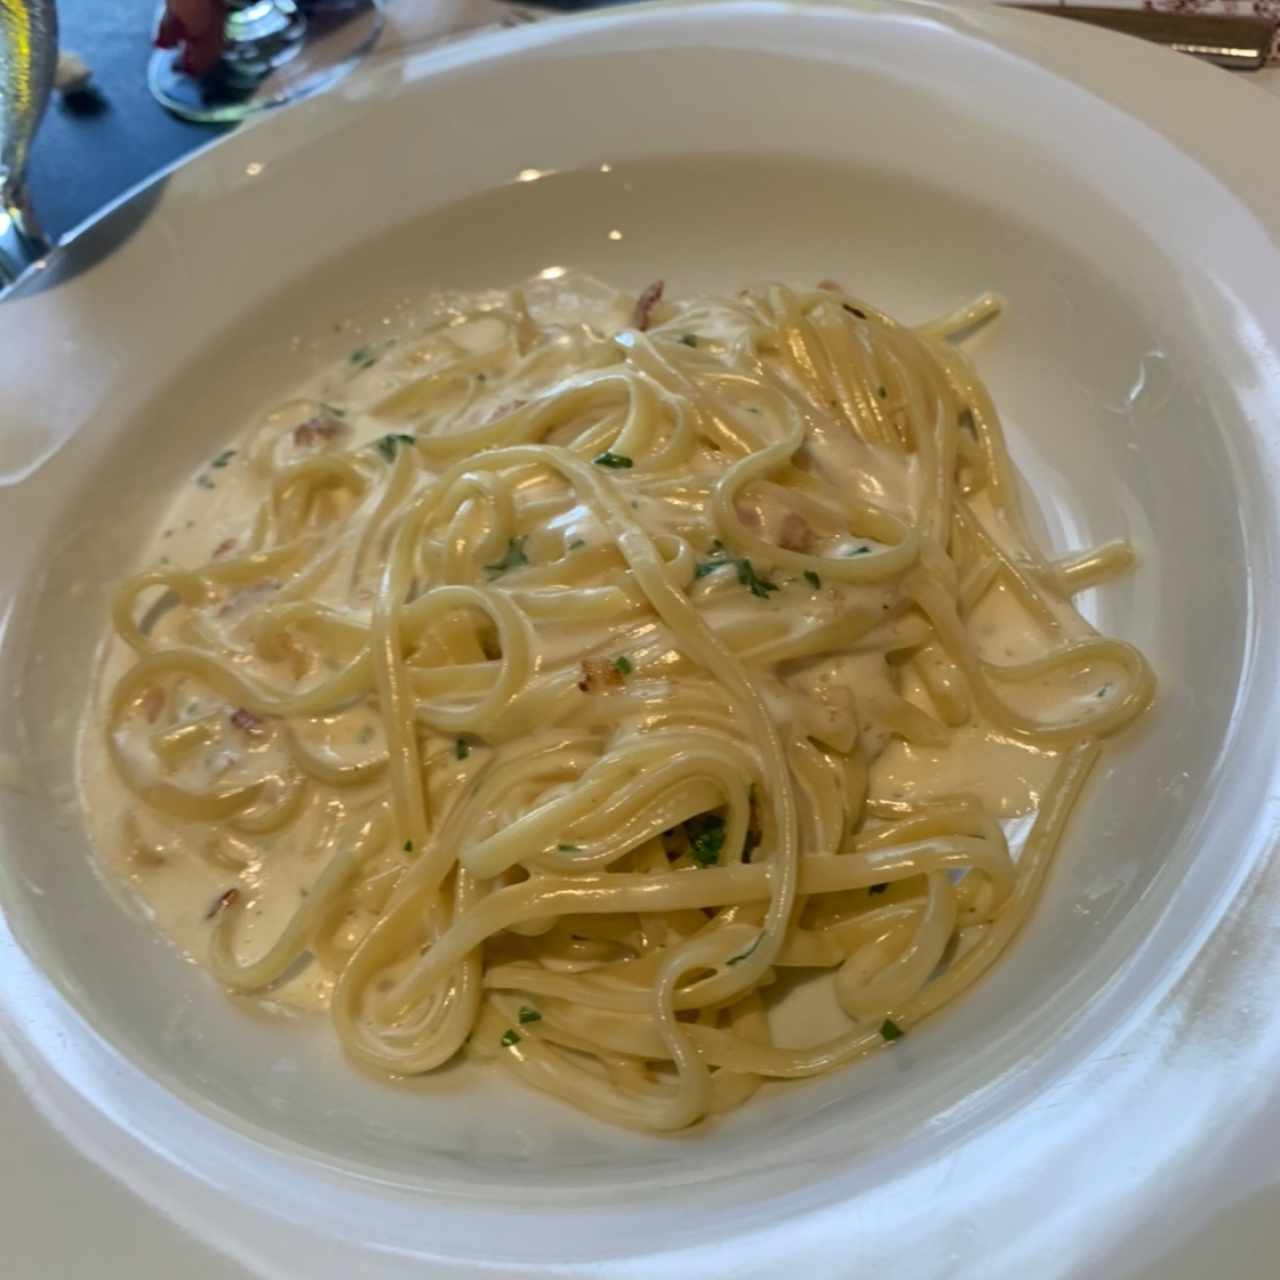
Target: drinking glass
[[28, 54]]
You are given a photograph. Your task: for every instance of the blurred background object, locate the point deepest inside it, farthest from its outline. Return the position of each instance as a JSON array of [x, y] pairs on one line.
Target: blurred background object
[[28, 55], [218, 61], [96, 146]]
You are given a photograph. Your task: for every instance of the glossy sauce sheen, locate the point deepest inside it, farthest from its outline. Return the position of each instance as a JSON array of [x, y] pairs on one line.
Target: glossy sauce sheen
[[181, 878]]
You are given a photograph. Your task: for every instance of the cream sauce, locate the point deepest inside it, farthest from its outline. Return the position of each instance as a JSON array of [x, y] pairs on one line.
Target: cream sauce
[[181, 871]]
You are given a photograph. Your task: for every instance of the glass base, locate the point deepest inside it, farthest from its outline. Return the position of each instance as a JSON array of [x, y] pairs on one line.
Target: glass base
[[277, 52]]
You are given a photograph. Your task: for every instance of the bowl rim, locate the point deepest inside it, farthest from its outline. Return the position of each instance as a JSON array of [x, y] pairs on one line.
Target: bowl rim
[[1125, 77]]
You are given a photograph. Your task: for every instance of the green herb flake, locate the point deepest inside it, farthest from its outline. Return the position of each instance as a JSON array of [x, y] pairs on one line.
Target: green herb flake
[[223, 458], [622, 665], [205, 482], [813, 580], [387, 445], [363, 357], [408, 846], [891, 1031], [462, 748], [617, 461], [509, 1037], [743, 955], [568, 848], [577, 544], [747, 574], [527, 1015], [689, 339], [513, 559], [859, 551], [706, 845], [1102, 693], [881, 392], [878, 888], [754, 833], [753, 582], [332, 409]]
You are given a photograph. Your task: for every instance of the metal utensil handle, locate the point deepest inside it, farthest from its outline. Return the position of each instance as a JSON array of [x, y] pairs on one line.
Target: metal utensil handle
[[1239, 44]]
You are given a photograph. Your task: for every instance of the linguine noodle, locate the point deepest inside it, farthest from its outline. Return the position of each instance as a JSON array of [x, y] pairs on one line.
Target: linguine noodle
[[571, 681]]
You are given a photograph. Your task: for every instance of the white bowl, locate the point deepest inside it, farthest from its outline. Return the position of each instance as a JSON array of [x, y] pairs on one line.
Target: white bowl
[[920, 154]]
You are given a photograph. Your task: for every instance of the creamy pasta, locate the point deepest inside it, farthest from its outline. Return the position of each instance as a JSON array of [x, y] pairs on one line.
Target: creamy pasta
[[562, 681]]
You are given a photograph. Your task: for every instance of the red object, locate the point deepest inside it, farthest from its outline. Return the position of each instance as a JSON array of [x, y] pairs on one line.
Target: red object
[[646, 303], [199, 26]]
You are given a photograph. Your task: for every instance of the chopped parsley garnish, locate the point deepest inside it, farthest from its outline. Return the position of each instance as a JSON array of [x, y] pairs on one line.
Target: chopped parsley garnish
[[753, 582], [707, 843], [387, 445], [618, 461], [363, 357], [754, 834], [1102, 693], [223, 458], [509, 1037], [891, 1031], [204, 482], [514, 558], [568, 848], [622, 665], [689, 339], [747, 574], [576, 543], [813, 580], [878, 888], [462, 748], [881, 392], [527, 1015], [408, 846], [859, 551], [743, 955], [332, 409]]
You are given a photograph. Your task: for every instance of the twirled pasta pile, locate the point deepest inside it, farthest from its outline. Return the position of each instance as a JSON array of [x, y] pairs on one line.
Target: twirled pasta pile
[[531, 703]]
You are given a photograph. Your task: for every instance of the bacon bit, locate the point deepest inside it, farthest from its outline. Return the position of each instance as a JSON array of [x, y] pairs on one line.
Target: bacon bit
[[645, 305], [223, 548], [795, 534], [599, 675], [862, 315], [243, 718], [318, 430], [225, 899], [506, 407], [153, 704]]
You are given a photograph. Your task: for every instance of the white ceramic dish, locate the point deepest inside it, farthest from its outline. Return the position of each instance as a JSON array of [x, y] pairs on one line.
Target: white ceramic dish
[[1122, 1059]]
